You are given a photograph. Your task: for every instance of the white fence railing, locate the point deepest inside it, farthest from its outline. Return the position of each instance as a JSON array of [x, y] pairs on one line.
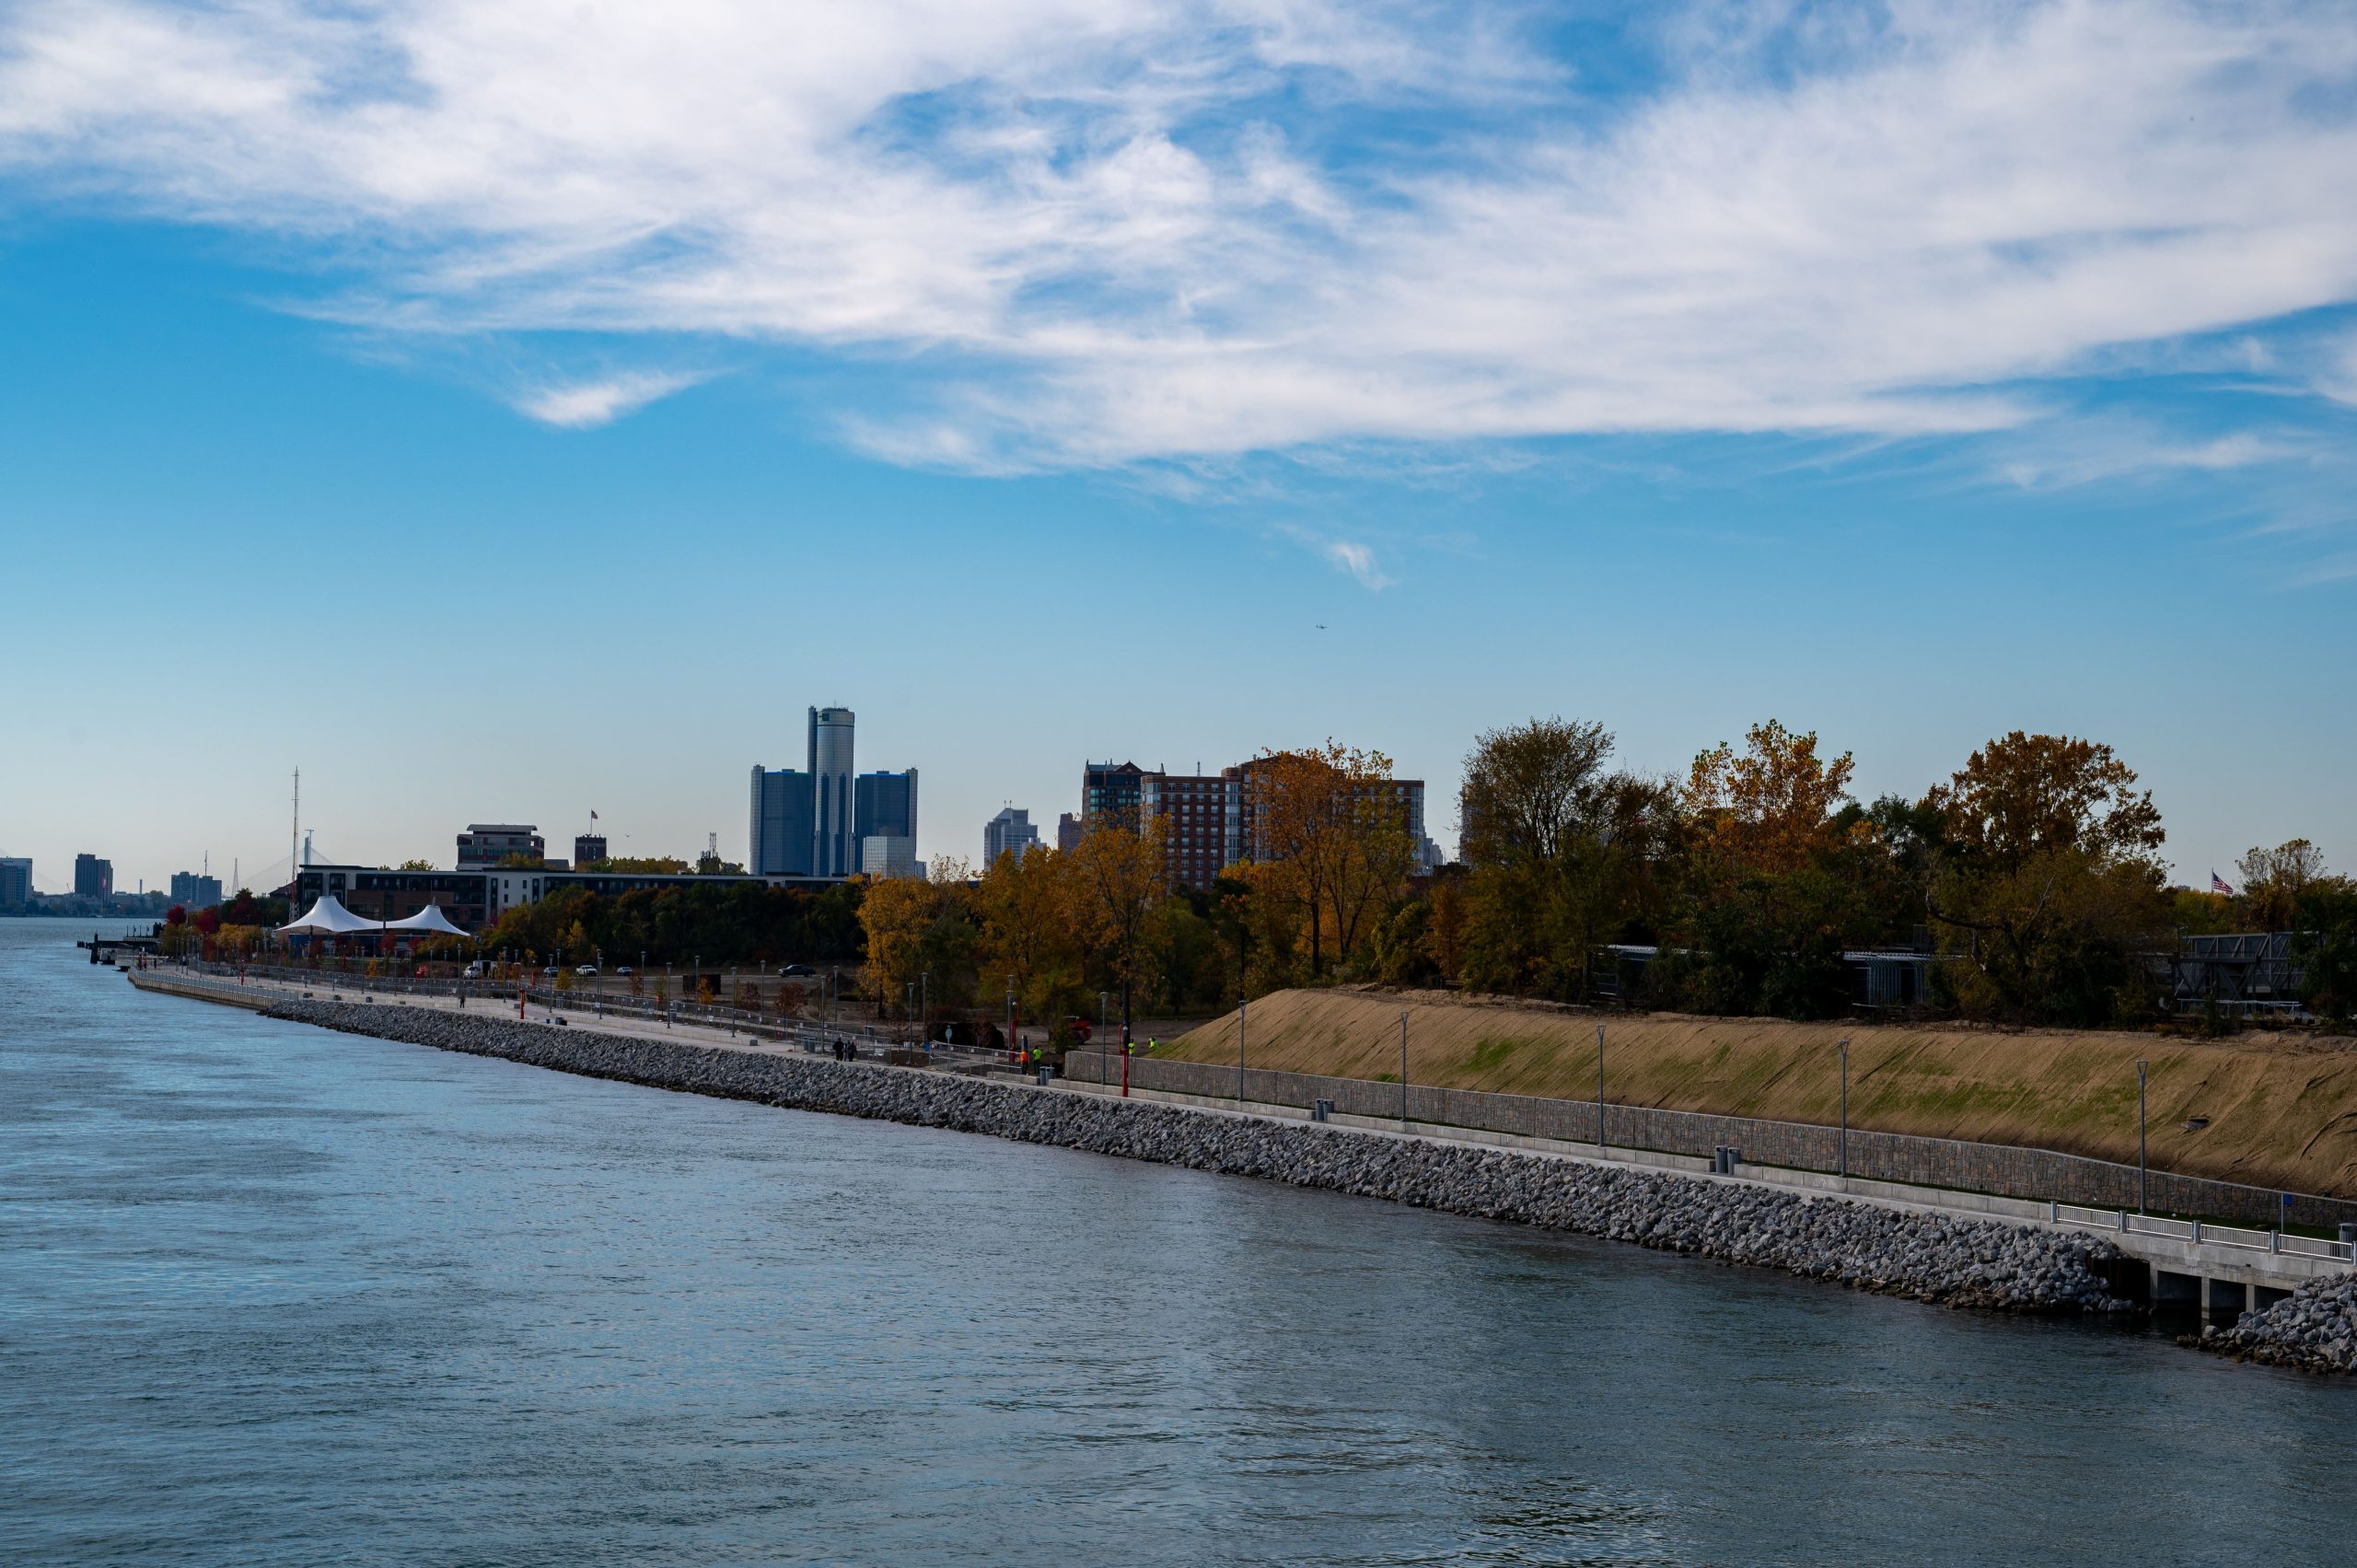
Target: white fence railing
[[2200, 1233]]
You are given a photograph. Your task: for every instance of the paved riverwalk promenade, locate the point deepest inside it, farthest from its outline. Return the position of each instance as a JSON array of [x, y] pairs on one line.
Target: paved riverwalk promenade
[[1951, 1248]]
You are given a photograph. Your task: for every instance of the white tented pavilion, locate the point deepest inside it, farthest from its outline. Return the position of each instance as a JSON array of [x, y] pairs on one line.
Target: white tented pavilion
[[327, 918], [427, 921]]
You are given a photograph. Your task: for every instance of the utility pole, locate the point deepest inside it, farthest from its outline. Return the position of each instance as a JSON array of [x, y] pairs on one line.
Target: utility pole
[[2141, 1064], [1243, 1006], [1843, 1152], [1403, 1069]]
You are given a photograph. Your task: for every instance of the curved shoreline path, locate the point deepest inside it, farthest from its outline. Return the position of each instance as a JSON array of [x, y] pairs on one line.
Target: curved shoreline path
[[274, 1295], [1961, 1249]]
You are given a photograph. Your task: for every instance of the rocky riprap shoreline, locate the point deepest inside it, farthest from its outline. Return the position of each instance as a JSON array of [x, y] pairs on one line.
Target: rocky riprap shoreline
[[2313, 1329], [1956, 1263]]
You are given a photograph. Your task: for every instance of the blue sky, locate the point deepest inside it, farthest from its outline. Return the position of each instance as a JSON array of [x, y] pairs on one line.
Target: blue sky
[[506, 409]]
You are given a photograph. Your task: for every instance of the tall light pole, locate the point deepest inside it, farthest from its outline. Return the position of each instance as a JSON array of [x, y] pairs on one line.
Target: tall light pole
[[1843, 1147], [1599, 1088], [1240, 1053], [1403, 1069], [2141, 1064]]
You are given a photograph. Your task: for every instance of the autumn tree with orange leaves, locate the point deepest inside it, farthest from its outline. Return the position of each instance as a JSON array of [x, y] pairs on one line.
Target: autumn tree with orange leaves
[[1331, 839]]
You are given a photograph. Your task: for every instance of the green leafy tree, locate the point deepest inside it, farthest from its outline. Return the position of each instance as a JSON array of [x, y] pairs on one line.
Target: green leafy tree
[[2275, 881], [2051, 889], [2326, 946]]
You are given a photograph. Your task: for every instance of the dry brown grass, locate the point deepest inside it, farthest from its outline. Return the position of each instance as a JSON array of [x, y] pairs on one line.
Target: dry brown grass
[[2282, 1107]]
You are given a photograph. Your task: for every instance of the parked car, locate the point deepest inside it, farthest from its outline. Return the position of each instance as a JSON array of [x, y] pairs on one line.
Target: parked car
[[473, 971], [550, 972], [624, 970], [587, 969], [797, 971], [1082, 1028]]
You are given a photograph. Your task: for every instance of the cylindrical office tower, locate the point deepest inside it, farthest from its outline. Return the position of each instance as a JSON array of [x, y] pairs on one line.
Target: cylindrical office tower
[[837, 852]]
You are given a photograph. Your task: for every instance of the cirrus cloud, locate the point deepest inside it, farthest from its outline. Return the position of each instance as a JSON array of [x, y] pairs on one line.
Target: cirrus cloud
[[583, 405], [1085, 232]]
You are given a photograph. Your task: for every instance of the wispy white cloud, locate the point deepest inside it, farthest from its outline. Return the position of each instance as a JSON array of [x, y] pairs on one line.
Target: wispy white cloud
[[2087, 451], [1352, 558], [583, 405], [1879, 219], [2337, 377], [1358, 561]]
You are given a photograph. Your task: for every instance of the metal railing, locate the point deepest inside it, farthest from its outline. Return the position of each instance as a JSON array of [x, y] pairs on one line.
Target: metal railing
[[2200, 1233]]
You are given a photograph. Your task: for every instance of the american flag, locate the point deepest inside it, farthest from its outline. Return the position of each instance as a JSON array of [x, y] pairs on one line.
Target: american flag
[[2218, 884], [593, 817]]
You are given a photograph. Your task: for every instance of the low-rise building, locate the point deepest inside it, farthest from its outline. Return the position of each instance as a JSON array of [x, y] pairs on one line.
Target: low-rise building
[[488, 843], [476, 897], [888, 854]]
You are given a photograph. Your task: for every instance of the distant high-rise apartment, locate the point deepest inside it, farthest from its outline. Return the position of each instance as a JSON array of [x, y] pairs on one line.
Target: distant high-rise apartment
[[93, 877], [588, 847], [1108, 793], [487, 843], [1405, 795], [1199, 822], [1209, 820], [194, 891], [1068, 831], [1010, 830], [16, 882]]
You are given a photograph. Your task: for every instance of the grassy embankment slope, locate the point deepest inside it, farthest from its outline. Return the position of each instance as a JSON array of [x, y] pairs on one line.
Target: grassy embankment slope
[[2282, 1107]]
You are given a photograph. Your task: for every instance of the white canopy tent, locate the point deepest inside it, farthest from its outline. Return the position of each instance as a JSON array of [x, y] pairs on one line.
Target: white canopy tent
[[327, 918], [430, 921]]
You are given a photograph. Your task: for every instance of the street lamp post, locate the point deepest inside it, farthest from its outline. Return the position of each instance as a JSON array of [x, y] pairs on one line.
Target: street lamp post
[[1403, 1069], [1843, 1149], [1599, 1088], [2141, 1064]]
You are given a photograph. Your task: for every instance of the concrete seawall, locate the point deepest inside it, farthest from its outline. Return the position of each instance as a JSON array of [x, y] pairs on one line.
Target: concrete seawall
[[1954, 1261]]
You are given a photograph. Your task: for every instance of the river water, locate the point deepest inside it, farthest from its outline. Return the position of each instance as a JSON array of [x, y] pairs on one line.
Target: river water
[[270, 1294]]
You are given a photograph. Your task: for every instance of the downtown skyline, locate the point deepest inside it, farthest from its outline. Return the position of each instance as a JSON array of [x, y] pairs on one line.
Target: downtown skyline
[[1199, 381]]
